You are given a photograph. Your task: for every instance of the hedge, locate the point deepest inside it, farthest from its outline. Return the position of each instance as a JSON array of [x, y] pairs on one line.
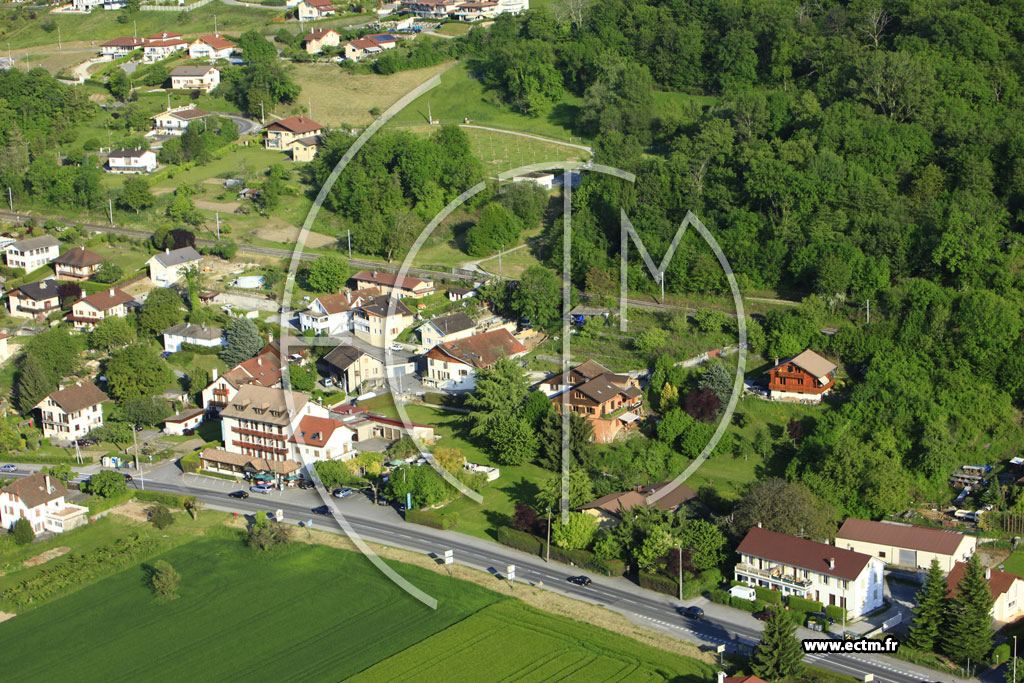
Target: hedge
[[746, 605], [204, 350], [98, 504], [803, 604], [435, 520], [45, 459], [835, 612], [587, 560], [189, 462], [720, 596], [658, 583], [768, 595], [520, 540], [169, 499]]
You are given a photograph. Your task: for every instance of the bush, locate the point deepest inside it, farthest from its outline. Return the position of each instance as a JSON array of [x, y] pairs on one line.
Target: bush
[[189, 462], [520, 540], [164, 579], [835, 612], [658, 583], [720, 596], [587, 560], [160, 516], [803, 604], [195, 348], [174, 500], [1001, 654], [434, 520], [746, 605], [22, 531], [98, 504], [769, 596]]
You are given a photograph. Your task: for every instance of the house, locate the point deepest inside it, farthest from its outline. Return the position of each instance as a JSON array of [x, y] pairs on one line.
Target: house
[[360, 48], [811, 570], [296, 349], [367, 425], [304, 149], [187, 333], [175, 121], [460, 293], [34, 300], [121, 47], [322, 438], [388, 283], [88, 311], [131, 161], [77, 264], [905, 545], [805, 377], [163, 35], [376, 324], [211, 46], [722, 678], [261, 422], [156, 49], [349, 366], [263, 370], [71, 413], [39, 498], [1007, 591], [32, 253], [284, 134], [446, 328], [544, 179], [195, 78], [606, 399], [310, 10], [513, 6], [453, 365], [333, 313], [319, 38], [266, 470], [190, 419], [167, 268], [608, 509], [436, 9], [476, 11]]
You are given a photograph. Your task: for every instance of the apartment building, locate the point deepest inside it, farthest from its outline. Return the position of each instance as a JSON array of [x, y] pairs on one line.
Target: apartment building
[[32, 253], [261, 422], [377, 325], [71, 413]]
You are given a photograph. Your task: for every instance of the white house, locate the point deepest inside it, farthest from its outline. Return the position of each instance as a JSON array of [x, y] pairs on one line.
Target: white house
[[310, 10], [161, 48], [195, 78], [543, 179], [167, 268], [34, 300], [1007, 591], [175, 121], [446, 328], [811, 570], [333, 313], [263, 370], [476, 11], [387, 283], [88, 311], [71, 413], [176, 425], [452, 365], [321, 438], [187, 333], [121, 47], [32, 253], [131, 161], [905, 545], [39, 498], [211, 46]]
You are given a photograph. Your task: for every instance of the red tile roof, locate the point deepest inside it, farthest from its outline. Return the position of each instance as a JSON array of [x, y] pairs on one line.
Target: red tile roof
[[998, 583], [105, 300], [802, 553], [319, 33], [77, 396], [388, 279], [264, 370], [124, 42], [316, 431], [321, 5], [480, 350], [942, 541], [163, 35], [79, 257], [296, 124], [216, 41]]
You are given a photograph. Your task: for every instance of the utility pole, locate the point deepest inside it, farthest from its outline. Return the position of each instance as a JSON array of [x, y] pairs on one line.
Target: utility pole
[[1015, 659], [110, 205], [59, 47], [10, 198], [348, 233], [135, 29], [869, 311], [499, 260], [218, 225], [547, 555], [679, 556], [214, 24], [263, 118]]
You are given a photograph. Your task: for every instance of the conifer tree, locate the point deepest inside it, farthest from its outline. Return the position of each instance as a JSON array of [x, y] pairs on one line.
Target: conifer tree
[[34, 384], [931, 604], [968, 618], [779, 655]]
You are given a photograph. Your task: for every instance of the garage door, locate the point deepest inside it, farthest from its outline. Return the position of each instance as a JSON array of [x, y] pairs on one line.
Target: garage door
[[908, 558]]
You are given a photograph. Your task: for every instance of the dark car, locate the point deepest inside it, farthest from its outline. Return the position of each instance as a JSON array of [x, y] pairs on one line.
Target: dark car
[[239, 494], [822, 615], [127, 477], [579, 580], [306, 484], [763, 615], [324, 510], [692, 612], [139, 428]]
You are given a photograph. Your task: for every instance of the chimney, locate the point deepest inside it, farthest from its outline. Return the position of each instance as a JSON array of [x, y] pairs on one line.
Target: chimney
[[776, 360], [167, 250], [831, 563], [111, 291], [214, 374], [759, 525], [49, 489], [721, 677], [988, 573], [348, 297], [259, 360]]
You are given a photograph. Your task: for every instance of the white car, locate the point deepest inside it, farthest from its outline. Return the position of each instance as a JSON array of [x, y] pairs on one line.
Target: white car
[[397, 347]]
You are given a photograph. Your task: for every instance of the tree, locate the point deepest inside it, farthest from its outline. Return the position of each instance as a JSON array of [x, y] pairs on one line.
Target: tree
[[702, 405], [710, 319], [779, 654], [525, 519], [62, 472], [526, 201], [705, 541], [536, 408], [968, 618], [106, 483], [135, 195], [161, 310], [198, 379], [327, 274], [137, 370], [655, 544], [22, 531], [164, 580], [719, 380], [514, 441], [581, 491], [243, 341], [111, 333], [183, 210], [264, 534], [108, 273], [118, 433], [668, 398], [538, 297], [786, 507], [302, 377], [34, 383], [119, 84], [143, 410], [256, 48], [160, 516], [929, 610], [497, 228], [651, 341], [577, 534], [497, 397]]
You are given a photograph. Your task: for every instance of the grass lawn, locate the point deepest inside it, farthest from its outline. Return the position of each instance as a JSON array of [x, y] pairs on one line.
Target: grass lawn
[[128, 256], [513, 265], [1015, 563], [454, 29], [461, 96], [523, 644]]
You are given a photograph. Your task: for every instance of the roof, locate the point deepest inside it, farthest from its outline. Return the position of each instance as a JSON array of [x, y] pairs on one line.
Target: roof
[[320, 4], [262, 404], [364, 43], [343, 356], [743, 679], [292, 344], [124, 41], [480, 350], [177, 257], [184, 114], [77, 396], [105, 300], [259, 464], [803, 553], [811, 362], [165, 42], [339, 303], [216, 41], [185, 415], [35, 243], [383, 37], [998, 582], [163, 35], [316, 431], [309, 141], [264, 370], [584, 371], [296, 124], [38, 291], [191, 70], [379, 306], [319, 33], [388, 279], [603, 387], [79, 256], [637, 497], [941, 541], [128, 153], [452, 323], [32, 489], [194, 331]]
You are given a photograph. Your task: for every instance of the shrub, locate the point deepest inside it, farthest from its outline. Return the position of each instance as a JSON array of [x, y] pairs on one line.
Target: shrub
[[835, 612], [587, 560], [1001, 654], [194, 349], [22, 532], [746, 605], [434, 520], [98, 504], [656, 582], [803, 604], [720, 596], [189, 462], [520, 540], [169, 499], [164, 580], [160, 516], [769, 596]]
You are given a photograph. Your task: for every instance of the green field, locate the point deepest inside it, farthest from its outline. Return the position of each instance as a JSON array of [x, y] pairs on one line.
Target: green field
[[510, 641], [1014, 564]]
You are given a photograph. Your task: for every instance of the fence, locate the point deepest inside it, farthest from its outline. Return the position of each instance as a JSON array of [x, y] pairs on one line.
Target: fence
[[175, 8]]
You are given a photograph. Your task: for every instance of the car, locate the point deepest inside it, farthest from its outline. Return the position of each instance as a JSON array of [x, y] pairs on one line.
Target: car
[[763, 615], [127, 477], [82, 443], [239, 494], [324, 510], [165, 354], [822, 615], [343, 492], [306, 484], [328, 382], [692, 612], [139, 428], [579, 580], [261, 488], [396, 347], [8, 468]]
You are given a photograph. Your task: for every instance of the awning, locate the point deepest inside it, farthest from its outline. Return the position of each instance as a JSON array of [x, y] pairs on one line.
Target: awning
[[264, 477], [629, 417], [291, 477]]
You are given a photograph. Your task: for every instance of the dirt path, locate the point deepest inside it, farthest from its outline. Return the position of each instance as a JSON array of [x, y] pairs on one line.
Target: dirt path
[[223, 207], [290, 235], [43, 558]]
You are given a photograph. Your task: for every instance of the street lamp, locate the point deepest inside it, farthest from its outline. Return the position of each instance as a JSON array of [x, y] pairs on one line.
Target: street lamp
[[679, 558]]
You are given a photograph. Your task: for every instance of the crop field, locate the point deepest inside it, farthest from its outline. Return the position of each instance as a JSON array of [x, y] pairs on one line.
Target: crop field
[[522, 644]]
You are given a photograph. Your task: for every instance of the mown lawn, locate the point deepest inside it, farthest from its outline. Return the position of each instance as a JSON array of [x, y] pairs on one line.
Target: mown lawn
[[523, 644], [308, 613]]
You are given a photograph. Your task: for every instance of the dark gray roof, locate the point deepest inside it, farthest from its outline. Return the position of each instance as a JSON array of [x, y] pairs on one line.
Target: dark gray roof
[[39, 291], [379, 306], [126, 153], [194, 331], [191, 70], [35, 243], [177, 257], [452, 323], [343, 356]]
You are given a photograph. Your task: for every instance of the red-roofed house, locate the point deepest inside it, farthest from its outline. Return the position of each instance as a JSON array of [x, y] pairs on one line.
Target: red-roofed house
[[88, 311], [211, 46], [476, 11], [452, 366], [319, 38], [905, 545], [322, 438], [812, 570], [263, 370], [333, 313], [121, 47], [310, 10], [1007, 591], [294, 134], [161, 48], [39, 498], [388, 283]]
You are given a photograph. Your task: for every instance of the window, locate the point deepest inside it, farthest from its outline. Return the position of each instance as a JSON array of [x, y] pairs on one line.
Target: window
[[881, 553]]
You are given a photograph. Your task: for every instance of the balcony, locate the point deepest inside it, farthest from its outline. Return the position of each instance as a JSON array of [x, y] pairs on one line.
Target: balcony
[[260, 447], [774, 575]]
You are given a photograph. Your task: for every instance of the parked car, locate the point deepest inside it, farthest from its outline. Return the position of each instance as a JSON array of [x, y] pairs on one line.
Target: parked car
[[692, 612], [8, 468], [139, 428], [324, 510], [239, 494], [579, 580], [343, 493], [261, 488], [396, 347], [83, 443], [165, 354], [328, 382], [127, 477], [306, 484], [189, 432], [763, 615], [822, 615]]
